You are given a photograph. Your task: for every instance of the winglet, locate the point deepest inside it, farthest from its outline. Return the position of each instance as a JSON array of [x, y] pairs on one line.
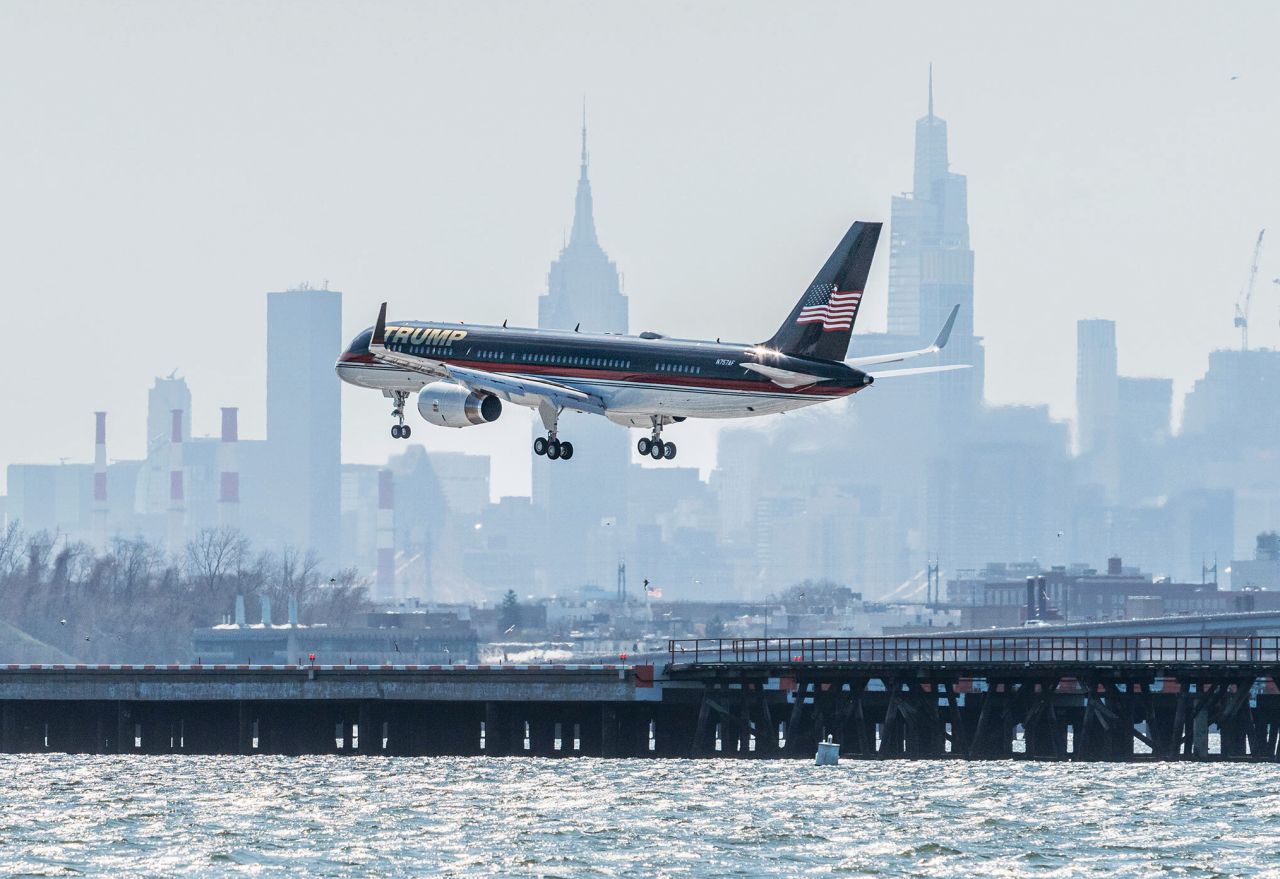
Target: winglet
[[380, 328], [945, 334]]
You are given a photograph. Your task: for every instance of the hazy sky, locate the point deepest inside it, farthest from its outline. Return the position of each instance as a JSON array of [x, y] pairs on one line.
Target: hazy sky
[[163, 164]]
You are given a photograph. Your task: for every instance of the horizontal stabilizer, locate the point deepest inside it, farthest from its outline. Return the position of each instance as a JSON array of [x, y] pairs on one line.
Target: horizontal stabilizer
[[939, 343], [783, 378], [918, 370]]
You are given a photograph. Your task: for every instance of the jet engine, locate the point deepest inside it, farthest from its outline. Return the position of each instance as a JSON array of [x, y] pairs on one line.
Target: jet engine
[[448, 405]]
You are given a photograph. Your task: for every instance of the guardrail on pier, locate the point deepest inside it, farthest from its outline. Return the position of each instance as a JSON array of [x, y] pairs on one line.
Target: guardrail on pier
[[1032, 648]]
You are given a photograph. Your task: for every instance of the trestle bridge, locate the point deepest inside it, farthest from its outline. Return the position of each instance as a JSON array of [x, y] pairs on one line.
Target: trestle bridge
[[1030, 697]]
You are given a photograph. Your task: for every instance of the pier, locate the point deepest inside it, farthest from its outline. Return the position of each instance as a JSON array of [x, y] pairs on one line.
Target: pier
[[1018, 697]]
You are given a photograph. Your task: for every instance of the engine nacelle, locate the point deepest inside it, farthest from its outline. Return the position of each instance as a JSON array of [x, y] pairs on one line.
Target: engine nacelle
[[448, 405]]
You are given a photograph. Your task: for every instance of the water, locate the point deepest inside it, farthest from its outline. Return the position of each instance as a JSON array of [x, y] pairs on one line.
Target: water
[[335, 816]]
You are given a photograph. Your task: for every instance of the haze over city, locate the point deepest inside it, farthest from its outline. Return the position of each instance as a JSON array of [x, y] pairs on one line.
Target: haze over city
[[163, 165], [828, 418]]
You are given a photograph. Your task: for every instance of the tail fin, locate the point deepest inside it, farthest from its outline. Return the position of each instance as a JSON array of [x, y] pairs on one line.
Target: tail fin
[[822, 321]]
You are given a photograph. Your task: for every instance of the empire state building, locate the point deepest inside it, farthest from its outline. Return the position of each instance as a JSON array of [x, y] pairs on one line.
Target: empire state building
[[583, 286], [584, 499]]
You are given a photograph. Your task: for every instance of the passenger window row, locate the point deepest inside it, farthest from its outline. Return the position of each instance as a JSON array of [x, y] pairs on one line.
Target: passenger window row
[[574, 360], [422, 350], [684, 368]]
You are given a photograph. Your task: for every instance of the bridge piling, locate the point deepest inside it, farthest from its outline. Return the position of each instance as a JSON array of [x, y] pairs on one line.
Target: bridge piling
[[1031, 698]]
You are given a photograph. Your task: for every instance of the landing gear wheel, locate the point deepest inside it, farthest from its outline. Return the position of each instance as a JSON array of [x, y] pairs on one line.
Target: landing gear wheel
[[553, 449], [540, 446], [566, 450], [399, 430], [655, 451], [669, 450], [643, 445]]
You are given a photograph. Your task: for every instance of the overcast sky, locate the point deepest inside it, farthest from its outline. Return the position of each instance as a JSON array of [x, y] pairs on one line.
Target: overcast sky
[[164, 164]]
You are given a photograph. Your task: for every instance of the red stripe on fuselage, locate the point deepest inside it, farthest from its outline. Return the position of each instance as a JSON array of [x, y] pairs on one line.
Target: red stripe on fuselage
[[549, 370]]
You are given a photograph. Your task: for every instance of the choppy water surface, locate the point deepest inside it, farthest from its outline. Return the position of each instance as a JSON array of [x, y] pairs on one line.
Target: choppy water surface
[[262, 816]]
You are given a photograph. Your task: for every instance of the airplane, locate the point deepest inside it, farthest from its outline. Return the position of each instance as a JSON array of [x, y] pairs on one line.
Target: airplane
[[463, 373]]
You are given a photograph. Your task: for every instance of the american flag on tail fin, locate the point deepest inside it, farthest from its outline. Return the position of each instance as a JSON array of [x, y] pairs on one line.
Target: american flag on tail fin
[[834, 309]]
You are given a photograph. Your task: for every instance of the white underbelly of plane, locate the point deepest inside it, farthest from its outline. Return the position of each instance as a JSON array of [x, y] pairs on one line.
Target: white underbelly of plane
[[625, 399], [641, 400]]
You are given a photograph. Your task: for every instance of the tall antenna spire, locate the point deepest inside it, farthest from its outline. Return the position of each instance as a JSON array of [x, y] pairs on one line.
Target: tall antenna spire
[[584, 110], [584, 137], [584, 227]]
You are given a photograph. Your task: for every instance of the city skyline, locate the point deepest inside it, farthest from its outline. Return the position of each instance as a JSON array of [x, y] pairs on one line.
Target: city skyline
[[674, 197], [687, 398]]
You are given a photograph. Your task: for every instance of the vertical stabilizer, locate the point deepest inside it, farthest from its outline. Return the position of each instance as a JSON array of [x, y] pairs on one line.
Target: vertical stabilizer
[[822, 321]]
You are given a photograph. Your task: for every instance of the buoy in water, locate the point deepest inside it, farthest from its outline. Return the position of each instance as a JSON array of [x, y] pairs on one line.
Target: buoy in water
[[828, 753]]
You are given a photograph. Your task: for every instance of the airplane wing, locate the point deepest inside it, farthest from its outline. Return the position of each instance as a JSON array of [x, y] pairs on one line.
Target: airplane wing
[[515, 389], [526, 391], [938, 344]]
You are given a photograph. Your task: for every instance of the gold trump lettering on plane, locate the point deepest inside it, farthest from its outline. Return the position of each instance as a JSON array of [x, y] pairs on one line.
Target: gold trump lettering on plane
[[423, 336]]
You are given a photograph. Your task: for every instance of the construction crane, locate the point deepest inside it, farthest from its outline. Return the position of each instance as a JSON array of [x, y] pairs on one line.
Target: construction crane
[[1246, 296]]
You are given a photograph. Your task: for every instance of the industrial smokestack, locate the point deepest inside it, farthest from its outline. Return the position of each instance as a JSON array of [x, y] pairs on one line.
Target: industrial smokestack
[[1031, 598], [293, 610], [177, 498], [100, 480], [385, 581], [1042, 598], [239, 610], [229, 470], [266, 611]]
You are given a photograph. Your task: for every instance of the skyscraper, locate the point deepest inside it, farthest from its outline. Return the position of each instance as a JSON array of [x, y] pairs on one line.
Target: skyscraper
[[1097, 385], [931, 266], [583, 286], [588, 493], [304, 332]]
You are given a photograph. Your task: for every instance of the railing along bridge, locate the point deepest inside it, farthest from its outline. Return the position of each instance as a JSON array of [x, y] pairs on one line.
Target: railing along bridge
[[1162, 649]]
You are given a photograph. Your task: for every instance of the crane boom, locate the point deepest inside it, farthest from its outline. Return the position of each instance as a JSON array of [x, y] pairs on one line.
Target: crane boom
[[1246, 295]]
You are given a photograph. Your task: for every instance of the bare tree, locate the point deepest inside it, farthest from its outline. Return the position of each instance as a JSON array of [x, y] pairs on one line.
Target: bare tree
[[339, 601], [10, 551], [213, 556], [135, 603]]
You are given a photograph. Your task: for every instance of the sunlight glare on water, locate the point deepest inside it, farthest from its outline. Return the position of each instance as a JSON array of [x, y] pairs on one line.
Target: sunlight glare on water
[[334, 816]]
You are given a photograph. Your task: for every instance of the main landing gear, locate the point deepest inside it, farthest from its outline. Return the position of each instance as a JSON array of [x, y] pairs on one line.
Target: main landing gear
[[400, 430], [551, 445], [653, 446], [553, 448]]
